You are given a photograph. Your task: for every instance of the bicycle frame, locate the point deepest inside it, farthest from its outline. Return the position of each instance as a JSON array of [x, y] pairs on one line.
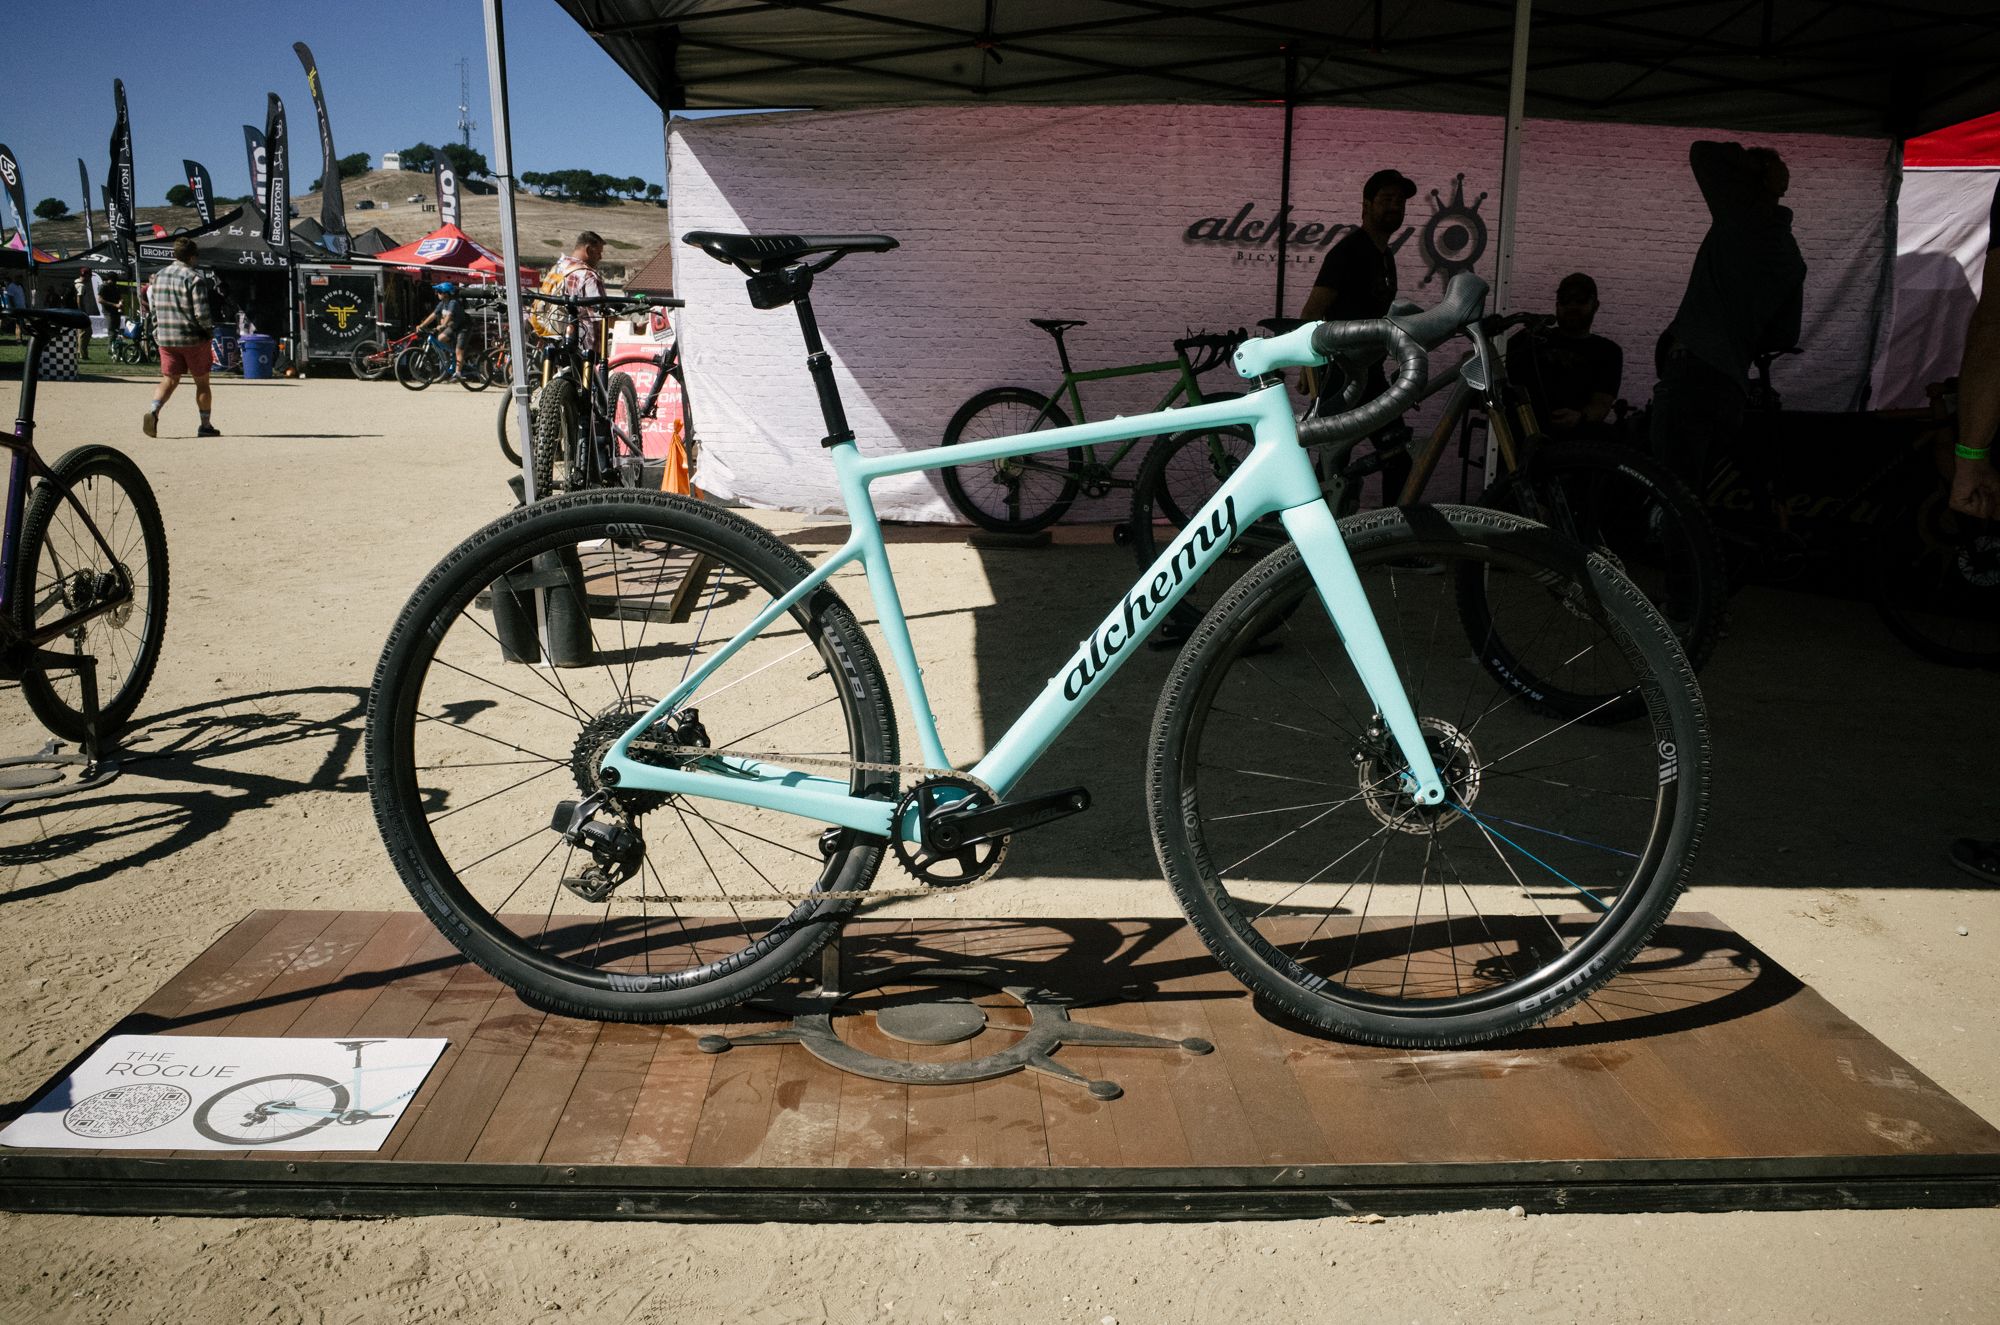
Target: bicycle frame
[[1277, 477], [1185, 387]]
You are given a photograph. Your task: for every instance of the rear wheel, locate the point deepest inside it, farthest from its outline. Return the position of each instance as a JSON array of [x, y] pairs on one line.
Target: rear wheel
[[61, 570], [628, 443], [1279, 817], [1634, 511], [472, 742], [506, 424], [370, 361], [1020, 494]]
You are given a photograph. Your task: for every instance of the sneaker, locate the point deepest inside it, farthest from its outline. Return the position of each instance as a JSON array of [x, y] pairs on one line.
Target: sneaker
[[149, 423], [1416, 566], [208, 430]]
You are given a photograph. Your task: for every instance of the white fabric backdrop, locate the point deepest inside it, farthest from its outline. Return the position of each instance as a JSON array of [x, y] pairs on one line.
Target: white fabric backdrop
[[1941, 236], [1007, 213]]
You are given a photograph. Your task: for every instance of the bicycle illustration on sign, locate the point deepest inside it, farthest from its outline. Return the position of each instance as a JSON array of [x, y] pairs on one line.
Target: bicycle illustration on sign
[[287, 1105]]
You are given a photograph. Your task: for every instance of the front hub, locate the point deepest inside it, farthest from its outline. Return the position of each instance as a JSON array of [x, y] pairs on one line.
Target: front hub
[[1383, 773]]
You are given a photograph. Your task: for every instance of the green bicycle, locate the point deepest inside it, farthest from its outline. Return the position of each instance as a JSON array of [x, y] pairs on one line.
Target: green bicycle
[[1021, 494]]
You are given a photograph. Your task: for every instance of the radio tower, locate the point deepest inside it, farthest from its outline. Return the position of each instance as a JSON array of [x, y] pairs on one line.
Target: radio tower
[[465, 124]]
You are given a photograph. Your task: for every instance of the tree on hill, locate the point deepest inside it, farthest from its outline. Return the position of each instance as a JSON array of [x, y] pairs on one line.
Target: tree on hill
[[421, 157], [653, 192], [464, 162], [180, 195], [349, 166], [48, 209]]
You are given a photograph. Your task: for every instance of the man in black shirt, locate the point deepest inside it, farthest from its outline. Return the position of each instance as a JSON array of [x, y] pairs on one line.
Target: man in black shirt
[[1570, 375], [1358, 280]]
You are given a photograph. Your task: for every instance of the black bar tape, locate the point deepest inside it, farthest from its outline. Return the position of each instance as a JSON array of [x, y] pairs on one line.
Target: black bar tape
[[1376, 336]]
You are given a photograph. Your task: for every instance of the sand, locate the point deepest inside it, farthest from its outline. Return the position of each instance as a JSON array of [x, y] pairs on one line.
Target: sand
[[1843, 765]]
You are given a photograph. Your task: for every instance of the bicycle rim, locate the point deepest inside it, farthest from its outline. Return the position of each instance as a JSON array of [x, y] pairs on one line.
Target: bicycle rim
[[1280, 820], [473, 744]]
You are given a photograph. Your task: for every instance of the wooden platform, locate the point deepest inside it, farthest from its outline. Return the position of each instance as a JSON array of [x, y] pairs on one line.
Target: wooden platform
[[1705, 1078]]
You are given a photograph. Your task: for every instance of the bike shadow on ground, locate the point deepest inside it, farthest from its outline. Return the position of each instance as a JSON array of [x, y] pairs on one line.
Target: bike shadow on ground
[[182, 780]]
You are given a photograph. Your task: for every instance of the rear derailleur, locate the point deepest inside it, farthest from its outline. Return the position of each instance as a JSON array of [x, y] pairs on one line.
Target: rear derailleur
[[614, 844]]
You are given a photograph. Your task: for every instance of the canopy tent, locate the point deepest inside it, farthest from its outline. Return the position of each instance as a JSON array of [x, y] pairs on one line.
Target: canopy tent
[[446, 251], [1889, 69], [489, 269], [370, 242], [308, 229]]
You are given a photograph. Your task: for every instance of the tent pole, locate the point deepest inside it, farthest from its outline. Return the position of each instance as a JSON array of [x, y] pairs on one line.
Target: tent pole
[[1510, 174], [510, 239], [1285, 176], [1510, 157]]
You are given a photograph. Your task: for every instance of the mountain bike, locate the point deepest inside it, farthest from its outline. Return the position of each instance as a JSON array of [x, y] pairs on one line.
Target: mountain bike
[[1622, 504], [666, 365], [83, 573], [634, 756], [587, 419], [373, 360], [1021, 494], [430, 358]]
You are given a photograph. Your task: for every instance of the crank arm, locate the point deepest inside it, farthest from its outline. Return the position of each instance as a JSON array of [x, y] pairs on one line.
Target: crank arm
[[972, 827]]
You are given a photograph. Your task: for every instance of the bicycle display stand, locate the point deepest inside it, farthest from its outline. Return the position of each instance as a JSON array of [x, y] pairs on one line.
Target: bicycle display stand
[[942, 1022], [1705, 1078], [46, 774]]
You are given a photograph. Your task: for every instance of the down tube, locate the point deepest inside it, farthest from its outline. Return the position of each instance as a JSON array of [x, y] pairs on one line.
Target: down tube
[[1268, 481]]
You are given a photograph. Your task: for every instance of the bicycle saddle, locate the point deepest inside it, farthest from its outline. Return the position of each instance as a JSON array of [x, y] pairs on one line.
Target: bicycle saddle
[[761, 252], [1055, 326], [73, 318], [353, 1045]]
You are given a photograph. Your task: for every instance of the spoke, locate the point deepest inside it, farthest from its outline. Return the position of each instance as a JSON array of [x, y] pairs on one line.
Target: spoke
[[504, 744], [490, 795], [1490, 833], [732, 828]]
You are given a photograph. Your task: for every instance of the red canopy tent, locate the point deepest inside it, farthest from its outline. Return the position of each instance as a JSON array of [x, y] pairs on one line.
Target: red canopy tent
[[488, 268], [446, 251]]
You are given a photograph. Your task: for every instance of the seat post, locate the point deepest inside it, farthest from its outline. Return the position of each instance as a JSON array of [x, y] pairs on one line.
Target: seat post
[[820, 364], [1062, 352]]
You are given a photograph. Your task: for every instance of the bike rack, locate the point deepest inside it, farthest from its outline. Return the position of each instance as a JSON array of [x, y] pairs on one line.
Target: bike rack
[[44, 774], [942, 1021]]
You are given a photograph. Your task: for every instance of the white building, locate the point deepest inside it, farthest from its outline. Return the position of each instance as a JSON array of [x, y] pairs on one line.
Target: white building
[[392, 161]]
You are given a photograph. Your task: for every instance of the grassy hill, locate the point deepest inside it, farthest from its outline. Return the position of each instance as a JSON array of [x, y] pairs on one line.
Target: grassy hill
[[633, 231]]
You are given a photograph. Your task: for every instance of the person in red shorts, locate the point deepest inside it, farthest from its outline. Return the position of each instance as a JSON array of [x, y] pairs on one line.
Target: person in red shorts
[[183, 321]]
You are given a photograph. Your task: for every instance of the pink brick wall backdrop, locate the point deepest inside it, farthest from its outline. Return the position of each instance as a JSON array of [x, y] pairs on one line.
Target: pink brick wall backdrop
[[1007, 213]]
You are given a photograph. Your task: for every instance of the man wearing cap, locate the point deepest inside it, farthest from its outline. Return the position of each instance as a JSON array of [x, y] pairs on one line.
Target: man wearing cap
[[1570, 375], [1358, 280]]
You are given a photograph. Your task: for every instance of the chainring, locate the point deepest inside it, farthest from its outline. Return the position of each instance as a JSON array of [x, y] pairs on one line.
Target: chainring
[[937, 866]]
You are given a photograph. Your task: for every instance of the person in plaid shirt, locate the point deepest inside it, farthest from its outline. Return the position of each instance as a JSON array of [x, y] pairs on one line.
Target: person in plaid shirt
[[183, 320]]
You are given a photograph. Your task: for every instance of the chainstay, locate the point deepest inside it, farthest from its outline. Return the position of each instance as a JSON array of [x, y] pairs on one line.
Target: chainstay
[[820, 761]]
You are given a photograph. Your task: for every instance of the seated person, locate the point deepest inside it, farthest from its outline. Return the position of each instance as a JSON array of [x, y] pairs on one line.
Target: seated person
[[1570, 375]]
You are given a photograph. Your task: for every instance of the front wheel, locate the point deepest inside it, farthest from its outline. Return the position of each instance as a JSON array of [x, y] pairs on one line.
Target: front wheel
[[628, 442], [62, 570], [556, 427], [418, 366], [686, 905], [1020, 494], [267, 1110], [506, 424], [1279, 814]]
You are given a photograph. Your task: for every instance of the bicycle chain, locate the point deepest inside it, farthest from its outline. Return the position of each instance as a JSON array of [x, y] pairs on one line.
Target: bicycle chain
[[820, 761]]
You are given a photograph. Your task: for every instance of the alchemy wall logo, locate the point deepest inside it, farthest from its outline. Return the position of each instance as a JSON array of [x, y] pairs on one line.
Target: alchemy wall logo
[[1454, 237]]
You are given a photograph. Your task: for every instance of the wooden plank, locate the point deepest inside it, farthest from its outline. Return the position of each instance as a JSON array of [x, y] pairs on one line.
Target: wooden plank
[[455, 1017], [193, 979], [390, 956], [519, 1127], [805, 1111], [871, 1128], [736, 1112], [662, 1126], [316, 967], [236, 989], [600, 1107], [1209, 1111], [468, 1092]]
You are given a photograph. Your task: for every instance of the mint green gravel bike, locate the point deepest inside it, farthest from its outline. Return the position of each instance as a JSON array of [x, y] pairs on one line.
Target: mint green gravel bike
[[635, 756]]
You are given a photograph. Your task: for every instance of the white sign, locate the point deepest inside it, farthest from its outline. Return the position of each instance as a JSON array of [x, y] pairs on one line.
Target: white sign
[[167, 1092]]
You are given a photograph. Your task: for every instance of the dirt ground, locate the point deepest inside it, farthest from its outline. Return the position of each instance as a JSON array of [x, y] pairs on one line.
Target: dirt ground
[[1843, 766]]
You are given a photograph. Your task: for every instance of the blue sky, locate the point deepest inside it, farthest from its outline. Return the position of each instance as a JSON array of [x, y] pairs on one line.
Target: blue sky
[[196, 71]]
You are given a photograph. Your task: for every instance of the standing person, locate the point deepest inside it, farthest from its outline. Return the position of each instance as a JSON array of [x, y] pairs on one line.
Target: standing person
[[14, 297], [80, 291], [183, 320], [1571, 375], [1975, 483], [1745, 295], [1358, 280], [575, 273]]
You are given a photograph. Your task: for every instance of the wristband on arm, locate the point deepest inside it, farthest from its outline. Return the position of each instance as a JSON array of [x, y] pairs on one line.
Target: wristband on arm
[[1964, 452]]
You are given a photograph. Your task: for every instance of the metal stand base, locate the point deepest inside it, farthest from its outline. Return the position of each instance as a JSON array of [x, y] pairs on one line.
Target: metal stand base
[[47, 773], [944, 1021]]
